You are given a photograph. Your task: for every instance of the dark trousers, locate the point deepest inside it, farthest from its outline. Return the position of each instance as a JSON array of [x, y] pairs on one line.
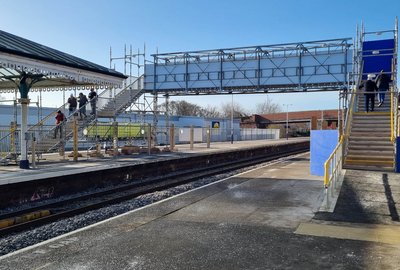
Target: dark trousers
[[369, 98], [58, 129], [93, 106]]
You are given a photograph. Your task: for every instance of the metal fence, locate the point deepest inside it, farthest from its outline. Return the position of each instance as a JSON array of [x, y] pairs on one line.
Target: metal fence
[[136, 134]]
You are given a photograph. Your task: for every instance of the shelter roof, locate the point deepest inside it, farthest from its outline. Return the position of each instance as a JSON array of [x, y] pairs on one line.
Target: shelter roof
[[59, 69]]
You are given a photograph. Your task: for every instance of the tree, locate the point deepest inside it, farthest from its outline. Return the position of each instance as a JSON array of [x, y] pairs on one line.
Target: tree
[[238, 110], [182, 107], [267, 107], [211, 112]]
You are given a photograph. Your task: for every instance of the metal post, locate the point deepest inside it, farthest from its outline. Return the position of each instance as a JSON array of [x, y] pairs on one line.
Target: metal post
[[75, 136], [287, 120], [33, 151], [287, 123], [322, 119], [232, 121], [172, 137], [149, 139], [191, 137], [208, 136], [13, 144], [166, 116], [155, 118]]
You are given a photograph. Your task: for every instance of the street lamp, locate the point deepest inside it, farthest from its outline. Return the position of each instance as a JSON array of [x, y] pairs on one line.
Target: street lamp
[[232, 120], [287, 120]]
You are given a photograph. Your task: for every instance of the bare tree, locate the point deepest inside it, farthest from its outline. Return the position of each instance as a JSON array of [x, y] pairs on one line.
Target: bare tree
[[238, 110], [267, 107], [211, 112], [182, 107]]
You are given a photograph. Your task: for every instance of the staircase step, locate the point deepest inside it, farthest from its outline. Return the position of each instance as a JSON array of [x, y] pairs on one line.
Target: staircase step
[[371, 153], [357, 147], [367, 130], [365, 136], [371, 114], [368, 124], [370, 159], [355, 166]]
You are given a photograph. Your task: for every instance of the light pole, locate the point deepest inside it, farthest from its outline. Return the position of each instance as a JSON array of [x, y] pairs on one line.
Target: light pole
[[232, 120], [287, 120]]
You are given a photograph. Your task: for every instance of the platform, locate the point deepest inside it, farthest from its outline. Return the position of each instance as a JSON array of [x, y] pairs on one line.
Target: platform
[[55, 165], [247, 221]]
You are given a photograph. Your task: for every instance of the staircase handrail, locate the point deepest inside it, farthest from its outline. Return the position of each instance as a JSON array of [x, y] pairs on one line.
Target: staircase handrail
[[93, 120], [139, 81], [62, 108], [393, 103], [134, 88], [351, 108], [392, 115], [333, 172]]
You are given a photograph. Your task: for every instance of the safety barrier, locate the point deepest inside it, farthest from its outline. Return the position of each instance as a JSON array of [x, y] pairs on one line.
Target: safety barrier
[[333, 175]]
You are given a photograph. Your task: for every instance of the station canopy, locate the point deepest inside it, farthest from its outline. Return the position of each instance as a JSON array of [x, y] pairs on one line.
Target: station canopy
[[51, 69]]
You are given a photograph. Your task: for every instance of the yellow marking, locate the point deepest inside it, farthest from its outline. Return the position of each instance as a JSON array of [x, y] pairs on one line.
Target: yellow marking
[[387, 234], [25, 218]]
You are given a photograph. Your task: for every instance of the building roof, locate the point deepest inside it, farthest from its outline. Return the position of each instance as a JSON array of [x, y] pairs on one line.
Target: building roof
[[19, 55], [278, 117]]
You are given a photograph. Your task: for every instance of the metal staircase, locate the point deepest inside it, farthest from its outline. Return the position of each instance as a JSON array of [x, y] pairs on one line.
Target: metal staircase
[[369, 138], [111, 107], [370, 144], [110, 103], [107, 107]]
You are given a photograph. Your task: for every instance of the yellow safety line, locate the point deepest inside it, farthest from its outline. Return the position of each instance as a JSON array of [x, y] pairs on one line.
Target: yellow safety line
[[387, 234]]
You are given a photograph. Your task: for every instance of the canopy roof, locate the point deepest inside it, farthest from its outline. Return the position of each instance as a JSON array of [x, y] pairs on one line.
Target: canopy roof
[[59, 69]]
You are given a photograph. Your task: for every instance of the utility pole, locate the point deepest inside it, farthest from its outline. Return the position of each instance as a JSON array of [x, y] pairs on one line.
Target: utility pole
[[287, 120]]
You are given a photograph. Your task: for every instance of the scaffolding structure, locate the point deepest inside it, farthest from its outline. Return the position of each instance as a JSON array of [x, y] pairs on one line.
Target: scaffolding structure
[[293, 67]]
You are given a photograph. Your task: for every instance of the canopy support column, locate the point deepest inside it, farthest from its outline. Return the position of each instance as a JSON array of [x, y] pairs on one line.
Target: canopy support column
[[24, 85]]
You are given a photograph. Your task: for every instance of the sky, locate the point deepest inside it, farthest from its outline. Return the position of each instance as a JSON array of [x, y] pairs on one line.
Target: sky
[[88, 28]]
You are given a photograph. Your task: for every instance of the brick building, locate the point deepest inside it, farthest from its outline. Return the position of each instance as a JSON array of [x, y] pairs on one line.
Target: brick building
[[299, 123]]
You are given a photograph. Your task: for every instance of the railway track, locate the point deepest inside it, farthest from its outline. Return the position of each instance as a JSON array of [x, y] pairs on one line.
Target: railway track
[[33, 217]]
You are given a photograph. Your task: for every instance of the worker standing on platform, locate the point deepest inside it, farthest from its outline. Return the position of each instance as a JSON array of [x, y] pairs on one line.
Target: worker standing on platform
[[369, 88], [93, 99], [382, 82], [59, 123]]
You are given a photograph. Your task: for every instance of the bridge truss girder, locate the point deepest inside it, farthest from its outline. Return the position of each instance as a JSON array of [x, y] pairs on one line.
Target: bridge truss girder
[[293, 67]]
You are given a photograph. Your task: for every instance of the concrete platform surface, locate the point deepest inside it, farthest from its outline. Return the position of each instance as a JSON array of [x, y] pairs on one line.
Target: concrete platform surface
[[243, 222], [55, 165]]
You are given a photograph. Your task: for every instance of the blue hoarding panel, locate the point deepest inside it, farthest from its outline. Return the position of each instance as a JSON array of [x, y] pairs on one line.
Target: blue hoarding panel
[[377, 45], [323, 142], [377, 55]]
